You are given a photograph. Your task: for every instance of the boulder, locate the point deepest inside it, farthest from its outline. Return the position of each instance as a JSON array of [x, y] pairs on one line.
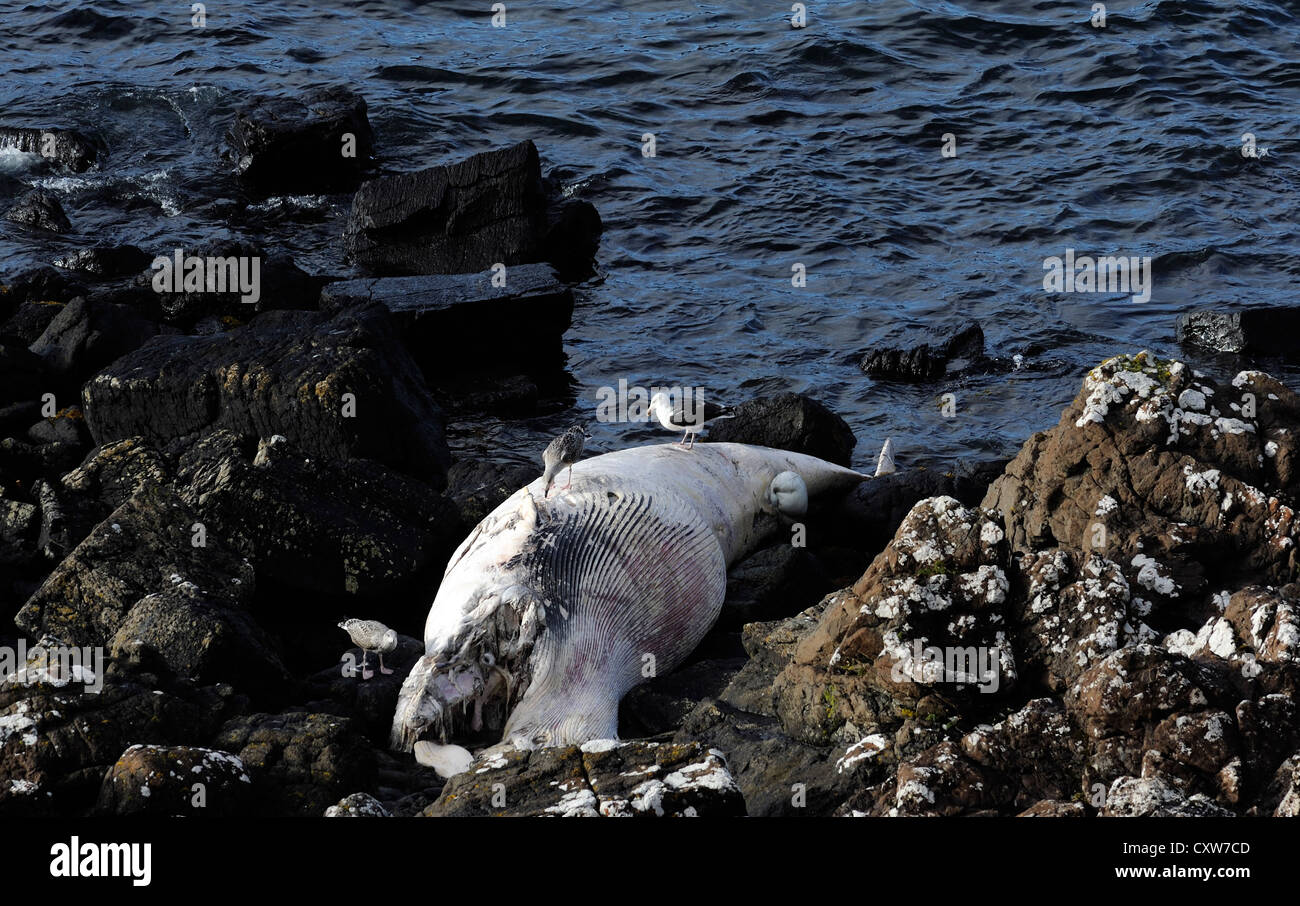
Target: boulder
[[280, 284], [40, 210], [358, 530], [339, 387], [788, 421], [358, 805], [30, 319], [478, 487], [465, 217], [72, 149], [176, 781], [86, 335], [287, 145]]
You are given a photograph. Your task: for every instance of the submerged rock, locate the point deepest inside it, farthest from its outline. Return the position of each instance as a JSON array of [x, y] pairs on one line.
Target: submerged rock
[[72, 149], [106, 262], [282, 145], [925, 361], [41, 210]]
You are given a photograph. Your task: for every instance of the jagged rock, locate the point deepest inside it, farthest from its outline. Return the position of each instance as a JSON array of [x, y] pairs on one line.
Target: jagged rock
[[40, 209], [465, 217], [788, 421], [940, 586], [23, 376], [40, 283], [771, 583], [70, 148], [1165, 473], [1051, 808], [924, 362], [19, 523], [602, 778], [662, 704], [300, 763], [106, 262], [428, 309], [1253, 331], [284, 145], [339, 387], [23, 464], [358, 529], [358, 805], [176, 781]]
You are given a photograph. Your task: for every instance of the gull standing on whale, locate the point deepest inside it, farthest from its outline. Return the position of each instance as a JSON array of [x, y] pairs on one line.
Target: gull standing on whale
[[677, 417], [561, 452]]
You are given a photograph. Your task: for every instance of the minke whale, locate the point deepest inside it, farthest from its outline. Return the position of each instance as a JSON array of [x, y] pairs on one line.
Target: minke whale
[[553, 608]]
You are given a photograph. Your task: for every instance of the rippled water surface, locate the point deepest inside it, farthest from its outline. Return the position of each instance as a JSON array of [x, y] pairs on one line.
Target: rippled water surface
[[819, 146]]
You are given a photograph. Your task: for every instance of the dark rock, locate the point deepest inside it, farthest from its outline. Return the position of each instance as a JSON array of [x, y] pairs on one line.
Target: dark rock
[[662, 704], [40, 209], [573, 230], [30, 319], [338, 387], [788, 421], [868, 516], [603, 778], [19, 523], [465, 217], [23, 376], [68, 427], [74, 150], [176, 781], [59, 738], [773, 582], [358, 530], [282, 145], [471, 311], [300, 763], [478, 487], [87, 335], [280, 284], [925, 361], [43, 283], [23, 464], [481, 394], [1253, 331], [369, 703], [106, 262]]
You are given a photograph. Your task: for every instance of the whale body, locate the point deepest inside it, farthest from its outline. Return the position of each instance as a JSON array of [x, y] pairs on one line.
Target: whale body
[[553, 608]]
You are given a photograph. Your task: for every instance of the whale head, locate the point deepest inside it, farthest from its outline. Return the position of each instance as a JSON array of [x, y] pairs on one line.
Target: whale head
[[479, 637]]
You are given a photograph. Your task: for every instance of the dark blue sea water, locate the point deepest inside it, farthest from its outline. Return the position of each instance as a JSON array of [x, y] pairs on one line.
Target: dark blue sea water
[[774, 146]]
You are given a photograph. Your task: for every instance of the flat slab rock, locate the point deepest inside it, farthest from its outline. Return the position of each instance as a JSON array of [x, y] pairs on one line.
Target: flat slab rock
[[603, 778]]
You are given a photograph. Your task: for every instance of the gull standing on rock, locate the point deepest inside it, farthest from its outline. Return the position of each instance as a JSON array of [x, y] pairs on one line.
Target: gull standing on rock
[[561, 452], [676, 417], [371, 635]]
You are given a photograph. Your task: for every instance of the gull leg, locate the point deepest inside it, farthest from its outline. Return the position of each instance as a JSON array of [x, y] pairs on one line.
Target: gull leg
[[366, 673], [567, 486], [382, 668], [691, 445]]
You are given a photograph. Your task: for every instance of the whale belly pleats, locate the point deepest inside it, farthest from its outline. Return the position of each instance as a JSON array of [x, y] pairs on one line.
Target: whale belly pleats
[[630, 584]]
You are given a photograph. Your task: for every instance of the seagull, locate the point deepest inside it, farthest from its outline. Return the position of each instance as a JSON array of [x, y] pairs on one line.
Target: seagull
[[370, 635], [561, 452], [676, 417]]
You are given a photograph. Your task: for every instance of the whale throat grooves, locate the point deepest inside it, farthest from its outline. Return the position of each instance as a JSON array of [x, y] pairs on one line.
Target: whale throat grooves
[[631, 583]]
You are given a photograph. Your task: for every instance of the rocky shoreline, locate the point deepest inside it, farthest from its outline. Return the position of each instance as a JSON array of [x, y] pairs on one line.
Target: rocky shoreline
[[201, 488]]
